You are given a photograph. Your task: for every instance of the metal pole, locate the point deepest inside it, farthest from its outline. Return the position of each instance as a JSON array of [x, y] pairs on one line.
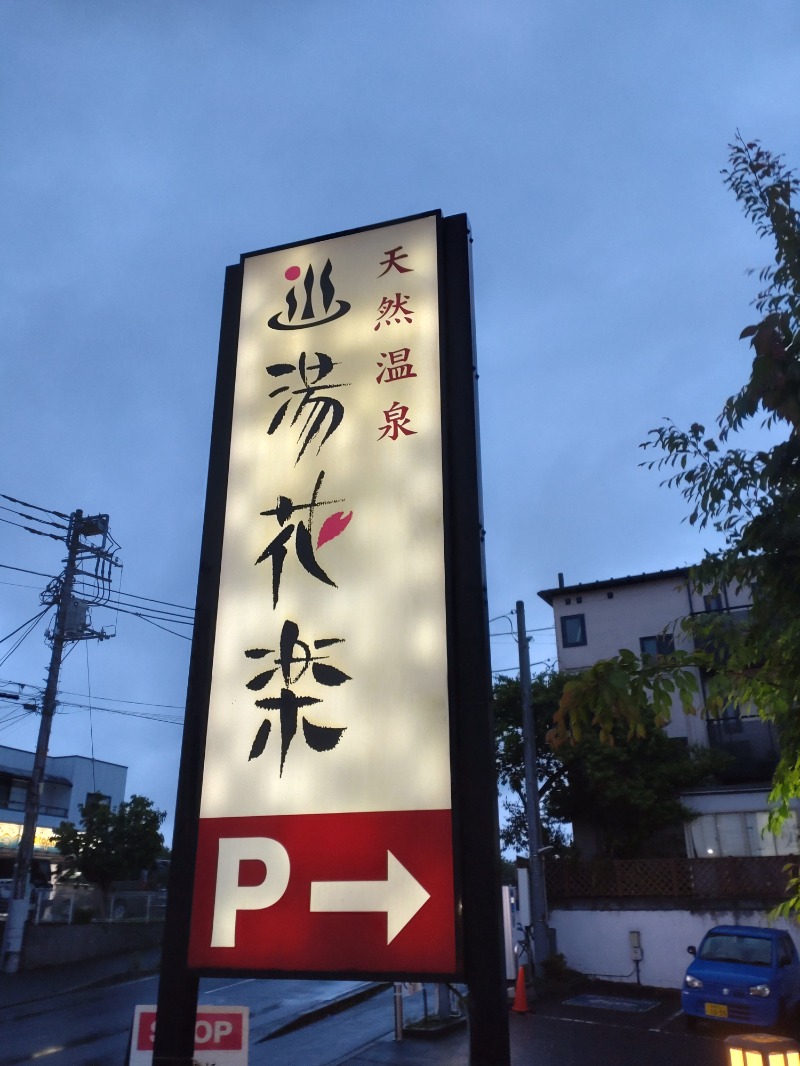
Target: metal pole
[[178, 986], [536, 886], [471, 694], [18, 904]]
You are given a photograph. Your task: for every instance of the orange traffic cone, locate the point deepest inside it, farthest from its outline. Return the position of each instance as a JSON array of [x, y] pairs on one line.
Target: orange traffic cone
[[520, 996]]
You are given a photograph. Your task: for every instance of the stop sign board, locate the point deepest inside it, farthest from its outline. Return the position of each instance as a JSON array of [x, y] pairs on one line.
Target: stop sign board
[[326, 833], [221, 1036]]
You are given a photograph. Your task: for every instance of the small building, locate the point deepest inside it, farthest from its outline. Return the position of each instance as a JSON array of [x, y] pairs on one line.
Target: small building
[[69, 781], [595, 620]]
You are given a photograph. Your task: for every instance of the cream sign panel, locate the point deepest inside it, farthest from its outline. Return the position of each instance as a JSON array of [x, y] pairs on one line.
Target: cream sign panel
[[329, 678]]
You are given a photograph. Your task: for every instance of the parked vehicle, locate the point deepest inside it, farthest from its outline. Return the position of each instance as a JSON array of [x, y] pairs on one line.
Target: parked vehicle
[[39, 881], [743, 974], [75, 898]]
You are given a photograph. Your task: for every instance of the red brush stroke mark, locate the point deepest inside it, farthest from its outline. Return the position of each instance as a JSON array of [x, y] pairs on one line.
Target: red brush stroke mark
[[332, 526]]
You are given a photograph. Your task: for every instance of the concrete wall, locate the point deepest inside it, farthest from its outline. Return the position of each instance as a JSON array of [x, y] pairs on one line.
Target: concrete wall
[[597, 942], [54, 945]]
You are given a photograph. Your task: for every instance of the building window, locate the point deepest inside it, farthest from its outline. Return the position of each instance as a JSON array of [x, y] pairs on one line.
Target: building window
[[97, 799], [785, 953], [735, 833], [654, 647], [573, 630], [731, 718], [13, 792], [712, 603]]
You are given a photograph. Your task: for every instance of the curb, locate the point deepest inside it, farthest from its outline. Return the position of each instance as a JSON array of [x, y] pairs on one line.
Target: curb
[[326, 1010]]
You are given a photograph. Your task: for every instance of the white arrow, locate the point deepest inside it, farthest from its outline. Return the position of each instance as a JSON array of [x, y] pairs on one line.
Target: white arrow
[[400, 896]]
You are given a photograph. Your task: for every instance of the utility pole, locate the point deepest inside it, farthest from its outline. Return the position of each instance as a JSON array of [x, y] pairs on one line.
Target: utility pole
[[536, 887], [64, 630]]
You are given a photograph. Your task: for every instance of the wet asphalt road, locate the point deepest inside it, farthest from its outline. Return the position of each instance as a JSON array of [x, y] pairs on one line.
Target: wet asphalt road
[[90, 1027]]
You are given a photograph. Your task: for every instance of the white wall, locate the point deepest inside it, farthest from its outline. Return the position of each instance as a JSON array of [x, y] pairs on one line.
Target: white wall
[[87, 776], [597, 942]]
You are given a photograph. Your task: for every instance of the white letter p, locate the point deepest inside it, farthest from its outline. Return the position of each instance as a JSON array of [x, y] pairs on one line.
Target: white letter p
[[231, 897]]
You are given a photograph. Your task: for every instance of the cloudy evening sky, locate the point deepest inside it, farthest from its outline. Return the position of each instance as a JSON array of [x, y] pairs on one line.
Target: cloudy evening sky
[[146, 145]]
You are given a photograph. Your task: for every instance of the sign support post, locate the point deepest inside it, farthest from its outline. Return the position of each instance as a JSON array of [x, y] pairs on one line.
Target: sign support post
[[477, 800], [178, 985]]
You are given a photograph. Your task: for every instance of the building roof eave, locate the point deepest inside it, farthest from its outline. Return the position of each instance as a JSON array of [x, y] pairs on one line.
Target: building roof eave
[[549, 595]]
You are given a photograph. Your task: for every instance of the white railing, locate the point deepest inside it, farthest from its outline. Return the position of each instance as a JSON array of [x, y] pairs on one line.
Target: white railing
[[73, 904]]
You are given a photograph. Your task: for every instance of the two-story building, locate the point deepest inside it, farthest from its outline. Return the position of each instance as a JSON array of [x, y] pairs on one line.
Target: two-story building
[[69, 781], [595, 620]]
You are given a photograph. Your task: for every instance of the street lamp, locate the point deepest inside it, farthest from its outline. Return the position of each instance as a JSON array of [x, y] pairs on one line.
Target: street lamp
[[762, 1049]]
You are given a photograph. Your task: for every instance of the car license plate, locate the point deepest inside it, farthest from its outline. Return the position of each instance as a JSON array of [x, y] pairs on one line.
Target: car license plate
[[716, 1010]]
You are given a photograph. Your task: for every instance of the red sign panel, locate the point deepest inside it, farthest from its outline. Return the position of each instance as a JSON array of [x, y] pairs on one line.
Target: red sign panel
[[327, 893]]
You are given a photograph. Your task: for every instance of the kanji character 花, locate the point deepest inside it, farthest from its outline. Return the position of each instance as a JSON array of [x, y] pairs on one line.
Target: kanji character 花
[[277, 549]]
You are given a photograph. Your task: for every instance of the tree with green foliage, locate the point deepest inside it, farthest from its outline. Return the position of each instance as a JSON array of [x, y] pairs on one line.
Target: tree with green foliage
[[751, 497], [113, 845], [628, 791], [546, 690]]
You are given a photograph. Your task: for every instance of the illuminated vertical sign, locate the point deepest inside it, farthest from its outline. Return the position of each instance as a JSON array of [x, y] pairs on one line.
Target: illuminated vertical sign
[[325, 834]]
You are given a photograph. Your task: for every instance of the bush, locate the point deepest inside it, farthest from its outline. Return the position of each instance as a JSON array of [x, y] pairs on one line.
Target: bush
[[555, 967]]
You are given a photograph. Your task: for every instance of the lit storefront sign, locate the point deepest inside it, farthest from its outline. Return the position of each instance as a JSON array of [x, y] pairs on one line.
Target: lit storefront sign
[[10, 833]]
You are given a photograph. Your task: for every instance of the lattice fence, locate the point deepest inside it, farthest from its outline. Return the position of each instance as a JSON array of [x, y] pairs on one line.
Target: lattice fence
[[717, 879]]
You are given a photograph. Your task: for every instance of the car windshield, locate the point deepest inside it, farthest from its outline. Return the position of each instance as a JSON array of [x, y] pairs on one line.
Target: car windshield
[[728, 947]]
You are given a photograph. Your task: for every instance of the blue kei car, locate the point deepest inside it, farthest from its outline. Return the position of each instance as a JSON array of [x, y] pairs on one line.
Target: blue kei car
[[743, 974]]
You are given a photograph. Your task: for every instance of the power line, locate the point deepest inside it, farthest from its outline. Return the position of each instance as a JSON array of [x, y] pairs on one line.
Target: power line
[[9, 721], [134, 608], [164, 603], [132, 703], [19, 585], [33, 518], [22, 570], [29, 529], [30, 620], [31, 624], [35, 507], [126, 596], [169, 719], [158, 616], [184, 636]]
